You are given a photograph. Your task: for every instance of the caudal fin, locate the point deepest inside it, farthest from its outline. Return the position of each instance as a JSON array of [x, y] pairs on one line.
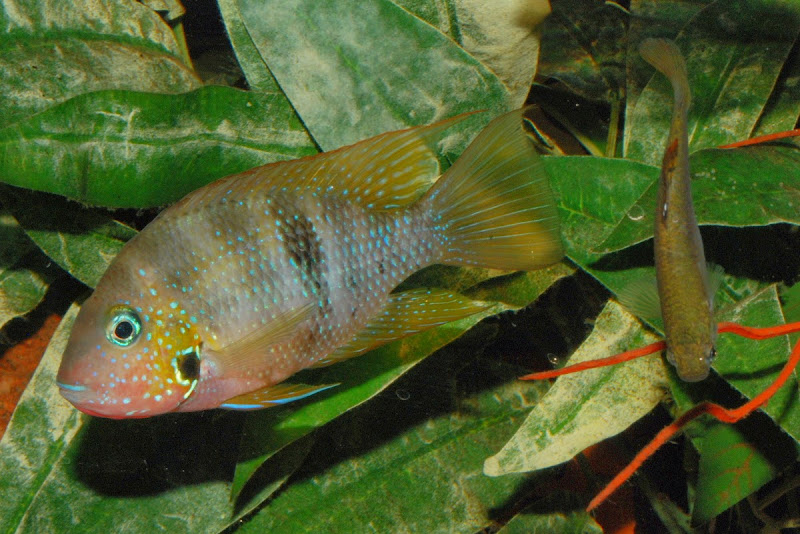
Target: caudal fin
[[665, 56], [494, 207]]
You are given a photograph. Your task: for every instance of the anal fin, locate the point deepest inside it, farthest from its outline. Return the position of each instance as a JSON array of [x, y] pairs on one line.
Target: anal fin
[[406, 313], [282, 393]]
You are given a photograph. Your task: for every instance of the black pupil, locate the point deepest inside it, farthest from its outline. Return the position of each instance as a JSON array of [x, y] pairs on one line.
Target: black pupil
[[123, 330], [190, 366]]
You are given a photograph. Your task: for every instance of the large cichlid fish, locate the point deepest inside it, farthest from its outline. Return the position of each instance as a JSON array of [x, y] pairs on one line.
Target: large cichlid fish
[[686, 285], [291, 265]]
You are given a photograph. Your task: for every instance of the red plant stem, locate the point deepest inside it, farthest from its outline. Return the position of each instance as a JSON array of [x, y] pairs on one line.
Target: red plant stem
[[750, 332], [601, 362], [763, 139], [758, 333], [725, 415]]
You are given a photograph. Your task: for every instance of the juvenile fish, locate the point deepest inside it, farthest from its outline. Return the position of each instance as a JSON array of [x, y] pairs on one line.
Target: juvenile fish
[[291, 265], [685, 289]]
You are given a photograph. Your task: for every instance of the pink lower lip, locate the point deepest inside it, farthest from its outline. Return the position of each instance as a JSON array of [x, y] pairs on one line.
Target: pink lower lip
[[76, 395], [106, 416]]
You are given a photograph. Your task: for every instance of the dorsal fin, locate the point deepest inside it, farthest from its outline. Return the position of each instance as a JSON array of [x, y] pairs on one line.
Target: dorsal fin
[[405, 314], [388, 171]]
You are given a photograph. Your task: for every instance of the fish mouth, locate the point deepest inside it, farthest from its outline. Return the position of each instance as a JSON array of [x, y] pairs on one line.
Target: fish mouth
[[74, 393], [693, 375], [77, 395]]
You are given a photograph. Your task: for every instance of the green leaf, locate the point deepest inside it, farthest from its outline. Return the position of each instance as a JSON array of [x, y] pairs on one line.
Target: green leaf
[[13, 242], [518, 290], [353, 69], [63, 471], [503, 35], [23, 277], [783, 107], [725, 192], [259, 78], [593, 195], [750, 366], [54, 51], [36, 438], [172, 9], [534, 520], [581, 48], [125, 149], [268, 431], [271, 477], [22, 286], [735, 461], [420, 469], [585, 408], [652, 18], [734, 54], [82, 241]]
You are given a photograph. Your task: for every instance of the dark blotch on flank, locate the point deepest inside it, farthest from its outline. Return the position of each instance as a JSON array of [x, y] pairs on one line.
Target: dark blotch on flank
[[304, 247]]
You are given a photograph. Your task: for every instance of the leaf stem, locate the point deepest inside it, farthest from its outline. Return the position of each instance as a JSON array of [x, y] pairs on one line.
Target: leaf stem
[[613, 128]]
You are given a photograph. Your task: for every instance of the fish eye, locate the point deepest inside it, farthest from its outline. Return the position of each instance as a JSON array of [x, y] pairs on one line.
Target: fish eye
[[124, 326], [187, 369]]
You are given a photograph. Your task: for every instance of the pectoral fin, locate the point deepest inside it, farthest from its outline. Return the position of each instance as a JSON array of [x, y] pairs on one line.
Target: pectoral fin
[[405, 314], [282, 393], [641, 298], [248, 351], [715, 276]]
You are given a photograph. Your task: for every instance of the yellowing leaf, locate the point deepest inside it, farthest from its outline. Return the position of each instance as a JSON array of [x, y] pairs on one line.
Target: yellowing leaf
[[587, 407]]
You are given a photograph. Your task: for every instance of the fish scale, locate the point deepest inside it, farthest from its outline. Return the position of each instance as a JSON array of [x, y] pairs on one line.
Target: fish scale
[[245, 282]]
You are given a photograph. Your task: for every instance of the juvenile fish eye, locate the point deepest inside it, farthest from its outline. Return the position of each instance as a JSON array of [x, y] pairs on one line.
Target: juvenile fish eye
[[124, 326]]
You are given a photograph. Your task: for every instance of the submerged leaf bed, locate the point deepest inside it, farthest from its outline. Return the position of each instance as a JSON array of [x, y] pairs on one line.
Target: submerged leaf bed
[[107, 115]]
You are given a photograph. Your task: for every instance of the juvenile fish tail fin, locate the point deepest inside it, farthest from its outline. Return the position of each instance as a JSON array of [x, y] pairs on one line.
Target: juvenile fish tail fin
[[494, 208], [665, 56]]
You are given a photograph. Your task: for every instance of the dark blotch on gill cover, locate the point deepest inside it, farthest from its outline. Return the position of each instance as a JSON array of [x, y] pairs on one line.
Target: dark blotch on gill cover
[[189, 366]]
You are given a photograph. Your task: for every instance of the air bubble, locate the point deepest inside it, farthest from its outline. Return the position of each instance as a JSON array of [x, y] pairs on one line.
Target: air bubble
[[636, 213], [403, 394]]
